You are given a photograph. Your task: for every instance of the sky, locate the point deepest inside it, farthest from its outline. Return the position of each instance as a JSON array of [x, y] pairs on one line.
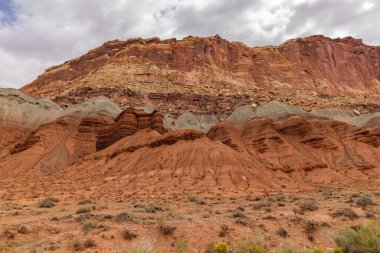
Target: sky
[[37, 34]]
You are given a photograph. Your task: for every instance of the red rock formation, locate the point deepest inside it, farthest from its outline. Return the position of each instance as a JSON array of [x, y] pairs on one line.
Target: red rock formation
[[321, 150], [127, 123], [213, 65]]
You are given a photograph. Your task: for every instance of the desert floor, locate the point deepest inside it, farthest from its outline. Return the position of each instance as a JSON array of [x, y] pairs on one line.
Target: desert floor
[[51, 215]]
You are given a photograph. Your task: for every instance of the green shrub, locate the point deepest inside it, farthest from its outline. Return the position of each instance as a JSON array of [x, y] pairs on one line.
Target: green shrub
[[365, 239]]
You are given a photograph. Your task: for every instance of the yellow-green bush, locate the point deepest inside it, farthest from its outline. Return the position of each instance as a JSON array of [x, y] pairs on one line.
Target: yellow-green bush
[[366, 239], [319, 249], [337, 249], [221, 247], [257, 249]]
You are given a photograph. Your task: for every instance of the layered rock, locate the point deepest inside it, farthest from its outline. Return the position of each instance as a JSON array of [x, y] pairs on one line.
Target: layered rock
[[213, 65], [319, 149], [127, 123], [274, 146]]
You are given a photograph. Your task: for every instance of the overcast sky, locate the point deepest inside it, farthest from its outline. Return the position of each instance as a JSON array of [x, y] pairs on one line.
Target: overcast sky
[[36, 34]]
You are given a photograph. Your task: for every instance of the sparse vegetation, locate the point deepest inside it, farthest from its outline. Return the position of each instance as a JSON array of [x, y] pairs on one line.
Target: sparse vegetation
[[365, 201], [85, 202], [197, 200], [144, 246], [345, 212], [89, 243], [153, 209], [365, 239], [164, 228], [282, 232], [180, 245], [221, 247], [167, 230], [47, 202], [75, 245], [308, 205], [88, 226], [224, 230], [123, 217], [127, 234], [83, 210]]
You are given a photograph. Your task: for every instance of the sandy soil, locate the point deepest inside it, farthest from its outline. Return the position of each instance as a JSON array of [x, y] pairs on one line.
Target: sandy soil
[[87, 216]]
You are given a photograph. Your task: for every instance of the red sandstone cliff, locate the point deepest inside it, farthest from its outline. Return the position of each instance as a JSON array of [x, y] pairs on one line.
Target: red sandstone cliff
[[214, 66]]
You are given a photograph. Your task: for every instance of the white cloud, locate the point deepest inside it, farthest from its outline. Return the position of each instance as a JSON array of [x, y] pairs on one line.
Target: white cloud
[[48, 32]]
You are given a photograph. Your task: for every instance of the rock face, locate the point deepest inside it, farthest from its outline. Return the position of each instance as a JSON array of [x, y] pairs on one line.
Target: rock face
[[127, 123], [213, 66], [320, 150], [274, 146]]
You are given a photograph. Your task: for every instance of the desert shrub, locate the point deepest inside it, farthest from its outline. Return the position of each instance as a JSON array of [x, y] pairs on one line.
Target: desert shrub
[[280, 197], [163, 227], [143, 246], [85, 202], [197, 200], [224, 230], [123, 217], [88, 226], [319, 249], [238, 214], [337, 249], [257, 249], [254, 238], [3, 248], [250, 249], [365, 201], [127, 234], [345, 212], [167, 230], [308, 205], [153, 209], [243, 221], [365, 239], [89, 243], [291, 250], [221, 247], [84, 216], [282, 232], [180, 245], [75, 245], [47, 202], [83, 210]]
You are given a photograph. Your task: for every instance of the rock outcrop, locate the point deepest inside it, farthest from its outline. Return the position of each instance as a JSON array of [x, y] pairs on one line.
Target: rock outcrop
[[127, 123], [273, 146], [213, 65]]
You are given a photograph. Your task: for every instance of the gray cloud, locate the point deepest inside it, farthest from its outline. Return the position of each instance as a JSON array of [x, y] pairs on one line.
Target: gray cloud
[[44, 32]]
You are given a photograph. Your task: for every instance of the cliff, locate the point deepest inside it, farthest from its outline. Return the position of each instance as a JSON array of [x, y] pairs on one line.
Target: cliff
[[213, 66]]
